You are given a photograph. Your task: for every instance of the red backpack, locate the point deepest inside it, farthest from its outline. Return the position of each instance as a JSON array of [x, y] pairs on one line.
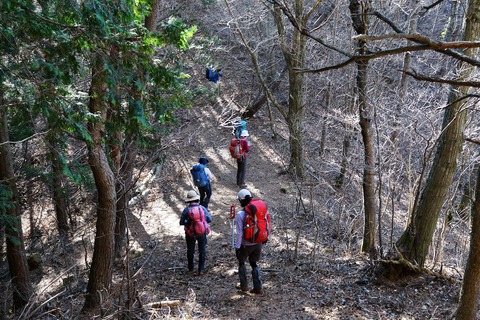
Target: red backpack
[[236, 148], [256, 227], [198, 225]]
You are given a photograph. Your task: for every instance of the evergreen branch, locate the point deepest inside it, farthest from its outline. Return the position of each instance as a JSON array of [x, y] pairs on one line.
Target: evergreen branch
[[66, 26]]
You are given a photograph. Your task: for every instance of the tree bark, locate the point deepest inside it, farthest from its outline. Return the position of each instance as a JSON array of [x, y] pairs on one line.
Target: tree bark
[[152, 18], [101, 269], [17, 260], [294, 56], [58, 190], [467, 307], [359, 13]]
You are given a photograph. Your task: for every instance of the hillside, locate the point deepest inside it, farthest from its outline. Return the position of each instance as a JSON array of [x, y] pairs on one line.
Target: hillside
[[309, 271], [312, 266]]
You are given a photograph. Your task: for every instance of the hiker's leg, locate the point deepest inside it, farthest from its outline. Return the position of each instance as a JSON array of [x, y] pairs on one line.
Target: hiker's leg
[[190, 251], [254, 256], [202, 252], [255, 253], [208, 195], [239, 171], [202, 192], [242, 273], [242, 162], [242, 269], [257, 281], [244, 170]]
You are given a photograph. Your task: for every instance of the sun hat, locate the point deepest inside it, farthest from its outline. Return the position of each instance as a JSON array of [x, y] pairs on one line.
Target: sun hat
[[244, 133], [203, 160], [192, 195]]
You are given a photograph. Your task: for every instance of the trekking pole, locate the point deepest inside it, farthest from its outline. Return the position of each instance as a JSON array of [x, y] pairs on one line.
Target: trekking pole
[[232, 217]]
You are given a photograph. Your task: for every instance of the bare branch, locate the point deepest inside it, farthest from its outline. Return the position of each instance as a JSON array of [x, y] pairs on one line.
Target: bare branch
[[26, 139], [473, 141], [255, 64], [457, 55], [304, 31], [371, 56], [431, 6], [436, 46], [425, 44], [416, 76]]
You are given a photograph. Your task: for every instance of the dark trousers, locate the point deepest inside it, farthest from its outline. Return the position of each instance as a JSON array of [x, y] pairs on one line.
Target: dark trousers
[[202, 251], [241, 170], [205, 194], [252, 253]]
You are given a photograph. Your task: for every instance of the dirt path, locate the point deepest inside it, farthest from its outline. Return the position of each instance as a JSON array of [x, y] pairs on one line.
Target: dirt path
[[298, 285]]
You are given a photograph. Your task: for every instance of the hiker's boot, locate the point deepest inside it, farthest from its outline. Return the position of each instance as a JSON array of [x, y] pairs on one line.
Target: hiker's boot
[[242, 273], [257, 281]]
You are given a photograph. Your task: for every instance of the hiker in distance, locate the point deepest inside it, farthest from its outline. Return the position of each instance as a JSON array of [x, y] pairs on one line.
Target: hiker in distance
[[253, 228], [195, 219], [242, 160], [202, 177]]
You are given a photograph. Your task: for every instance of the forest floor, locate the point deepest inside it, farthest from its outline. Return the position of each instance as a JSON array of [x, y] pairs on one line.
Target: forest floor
[[302, 279]]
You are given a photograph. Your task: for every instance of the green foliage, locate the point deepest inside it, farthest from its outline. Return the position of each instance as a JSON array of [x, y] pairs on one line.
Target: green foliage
[[5, 199], [177, 33], [47, 49], [9, 221]]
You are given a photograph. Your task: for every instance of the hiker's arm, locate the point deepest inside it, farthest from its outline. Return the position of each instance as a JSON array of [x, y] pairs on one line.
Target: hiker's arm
[[208, 217], [209, 174], [184, 217], [245, 146], [239, 229]]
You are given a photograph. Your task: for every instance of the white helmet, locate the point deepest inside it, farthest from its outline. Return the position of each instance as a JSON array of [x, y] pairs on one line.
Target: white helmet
[[244, 133], [242, 194]]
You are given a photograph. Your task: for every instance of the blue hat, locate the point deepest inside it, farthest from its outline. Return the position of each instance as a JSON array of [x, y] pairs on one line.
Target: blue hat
[[203, 160]]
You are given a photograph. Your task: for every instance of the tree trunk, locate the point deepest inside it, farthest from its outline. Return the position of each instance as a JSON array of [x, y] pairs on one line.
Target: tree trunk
[[101, 269], [17, 261], [152, 19], [294, 56], [58, 189], [123, 189], [359, 14], [415, 241], [126, 164], [467, 308], [412, 28]]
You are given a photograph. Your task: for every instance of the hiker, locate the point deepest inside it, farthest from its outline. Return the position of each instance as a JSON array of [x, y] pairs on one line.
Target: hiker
[[242, 160], [213, 74], [195, 219], [202, 177], [248, 250]]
